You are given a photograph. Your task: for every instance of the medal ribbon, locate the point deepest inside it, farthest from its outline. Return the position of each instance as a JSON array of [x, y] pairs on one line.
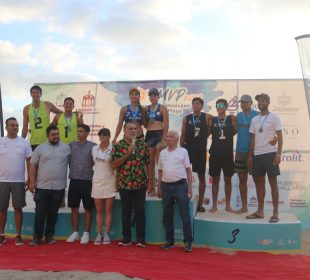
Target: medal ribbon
[[67, 121], [261, 123]]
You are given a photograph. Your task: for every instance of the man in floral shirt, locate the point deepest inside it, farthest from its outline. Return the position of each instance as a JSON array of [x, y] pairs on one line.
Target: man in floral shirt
[[131, 158]]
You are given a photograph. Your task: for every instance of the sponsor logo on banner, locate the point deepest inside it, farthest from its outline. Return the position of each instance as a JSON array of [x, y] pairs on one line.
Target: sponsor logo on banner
[[88, 104], [291, 186], [60, 100], [292, 156], [284, 105], [253, 202], [290, 131], [233, 105], [298, 203], [269, 202]]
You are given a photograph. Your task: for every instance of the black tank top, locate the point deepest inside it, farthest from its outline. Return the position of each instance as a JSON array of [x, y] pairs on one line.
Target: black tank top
[[196, 132], [222, 147]]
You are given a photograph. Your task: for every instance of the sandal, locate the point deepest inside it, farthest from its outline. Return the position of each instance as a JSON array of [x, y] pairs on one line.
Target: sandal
[[255, 216], [273, 219], [201, 209]]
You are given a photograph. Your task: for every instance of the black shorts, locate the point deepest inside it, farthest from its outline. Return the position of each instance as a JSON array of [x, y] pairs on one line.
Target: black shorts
[[80, 190], [218, 163], [198, 160], [263, 164], [153, 138]]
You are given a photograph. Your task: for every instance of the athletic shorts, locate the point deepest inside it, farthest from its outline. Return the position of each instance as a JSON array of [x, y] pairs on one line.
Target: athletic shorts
[[17, 189], [153, 138], [263, 164], [80, 190], [198, 160], [218, 163], [241, 163]]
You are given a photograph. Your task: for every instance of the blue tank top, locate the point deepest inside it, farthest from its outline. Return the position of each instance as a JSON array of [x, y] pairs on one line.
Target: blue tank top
[[131, 115], [154, 115]]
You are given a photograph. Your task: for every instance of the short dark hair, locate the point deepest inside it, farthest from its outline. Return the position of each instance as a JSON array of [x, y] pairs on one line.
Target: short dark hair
[[130, 122], [51, 127], [154, 91], [85, 127], [198, 99], [222, 100], [104, 132], [69, 98], [9, 119], [36, 88]]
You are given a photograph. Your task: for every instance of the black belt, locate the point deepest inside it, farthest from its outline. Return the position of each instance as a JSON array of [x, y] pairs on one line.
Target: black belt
[[177, 182]]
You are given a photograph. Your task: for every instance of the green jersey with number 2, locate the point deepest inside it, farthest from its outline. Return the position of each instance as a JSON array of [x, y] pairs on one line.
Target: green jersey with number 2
[[39, 120]]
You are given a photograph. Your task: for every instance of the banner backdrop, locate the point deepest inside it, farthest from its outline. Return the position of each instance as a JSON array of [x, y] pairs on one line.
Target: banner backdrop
[[100, 103]]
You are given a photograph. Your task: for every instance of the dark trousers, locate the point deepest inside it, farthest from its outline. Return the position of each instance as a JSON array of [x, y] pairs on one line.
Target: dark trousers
[[171, 193], [47, 205], [133, 199]]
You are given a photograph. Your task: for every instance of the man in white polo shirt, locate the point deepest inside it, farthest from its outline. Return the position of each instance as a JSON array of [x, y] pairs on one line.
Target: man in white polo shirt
[[264, 156], [14, 151], [175, 181]]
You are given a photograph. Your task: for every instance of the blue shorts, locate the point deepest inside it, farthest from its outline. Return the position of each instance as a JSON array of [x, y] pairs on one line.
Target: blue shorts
[[263, 164]]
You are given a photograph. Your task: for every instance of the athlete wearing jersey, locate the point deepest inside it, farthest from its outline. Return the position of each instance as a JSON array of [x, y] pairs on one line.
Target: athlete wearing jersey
[[157, 124], [68, 122], [131, 113], [194, 136], [222, 130], [37, 116]]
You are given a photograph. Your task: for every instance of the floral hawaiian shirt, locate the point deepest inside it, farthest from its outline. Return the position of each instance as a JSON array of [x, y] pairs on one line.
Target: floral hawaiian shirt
[[131, 175]]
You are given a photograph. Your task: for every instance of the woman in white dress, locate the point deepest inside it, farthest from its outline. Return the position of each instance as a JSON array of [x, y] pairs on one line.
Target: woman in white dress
[[103, 190]]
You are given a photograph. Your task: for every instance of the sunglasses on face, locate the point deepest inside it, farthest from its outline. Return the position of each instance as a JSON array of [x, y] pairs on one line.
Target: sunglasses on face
[[220, 105]]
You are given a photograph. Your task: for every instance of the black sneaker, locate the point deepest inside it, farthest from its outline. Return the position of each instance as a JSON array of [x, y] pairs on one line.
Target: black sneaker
[[2, 239], [188, 247], [167, 246], [35, 242], [50, 240], [141, 244], [124, 242]]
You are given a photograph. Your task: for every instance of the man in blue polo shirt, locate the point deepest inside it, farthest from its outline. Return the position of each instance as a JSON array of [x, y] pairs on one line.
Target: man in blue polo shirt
[[244, 119]]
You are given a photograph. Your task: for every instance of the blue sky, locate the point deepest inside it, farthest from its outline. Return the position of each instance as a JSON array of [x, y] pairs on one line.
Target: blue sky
[[67, 41]]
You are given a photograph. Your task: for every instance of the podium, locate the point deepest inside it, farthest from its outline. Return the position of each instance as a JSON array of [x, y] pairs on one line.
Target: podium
[[233, 231]]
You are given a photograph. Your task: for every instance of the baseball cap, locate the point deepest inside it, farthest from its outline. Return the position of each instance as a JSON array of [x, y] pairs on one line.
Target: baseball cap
[[245, 98], [104, 132], [264, 96], [154, 91]]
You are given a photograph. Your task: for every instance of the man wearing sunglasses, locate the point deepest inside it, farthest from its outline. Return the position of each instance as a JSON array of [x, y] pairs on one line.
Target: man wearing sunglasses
[[223, 129]]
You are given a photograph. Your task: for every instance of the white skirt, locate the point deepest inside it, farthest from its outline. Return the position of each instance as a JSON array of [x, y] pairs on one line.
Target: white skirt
[[103, 189]]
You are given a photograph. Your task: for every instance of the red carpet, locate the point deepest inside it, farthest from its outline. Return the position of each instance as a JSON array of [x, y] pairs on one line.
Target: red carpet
[[153, 263]]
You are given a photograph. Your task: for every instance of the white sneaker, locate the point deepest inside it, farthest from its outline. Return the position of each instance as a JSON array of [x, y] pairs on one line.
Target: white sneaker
[[73, 237], [106, 239], [98, 239], [85, 238]]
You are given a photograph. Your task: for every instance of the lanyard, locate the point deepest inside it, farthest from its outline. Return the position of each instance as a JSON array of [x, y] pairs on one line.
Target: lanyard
[[152, 114], [36, 112], [221, 125], [134, 113], [261, 123], [196, 120], [245, 123], [67, 121]]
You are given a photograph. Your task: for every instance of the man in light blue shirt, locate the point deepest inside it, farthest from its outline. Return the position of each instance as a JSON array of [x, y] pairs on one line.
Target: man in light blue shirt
[[244, 119], [48, 179]]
